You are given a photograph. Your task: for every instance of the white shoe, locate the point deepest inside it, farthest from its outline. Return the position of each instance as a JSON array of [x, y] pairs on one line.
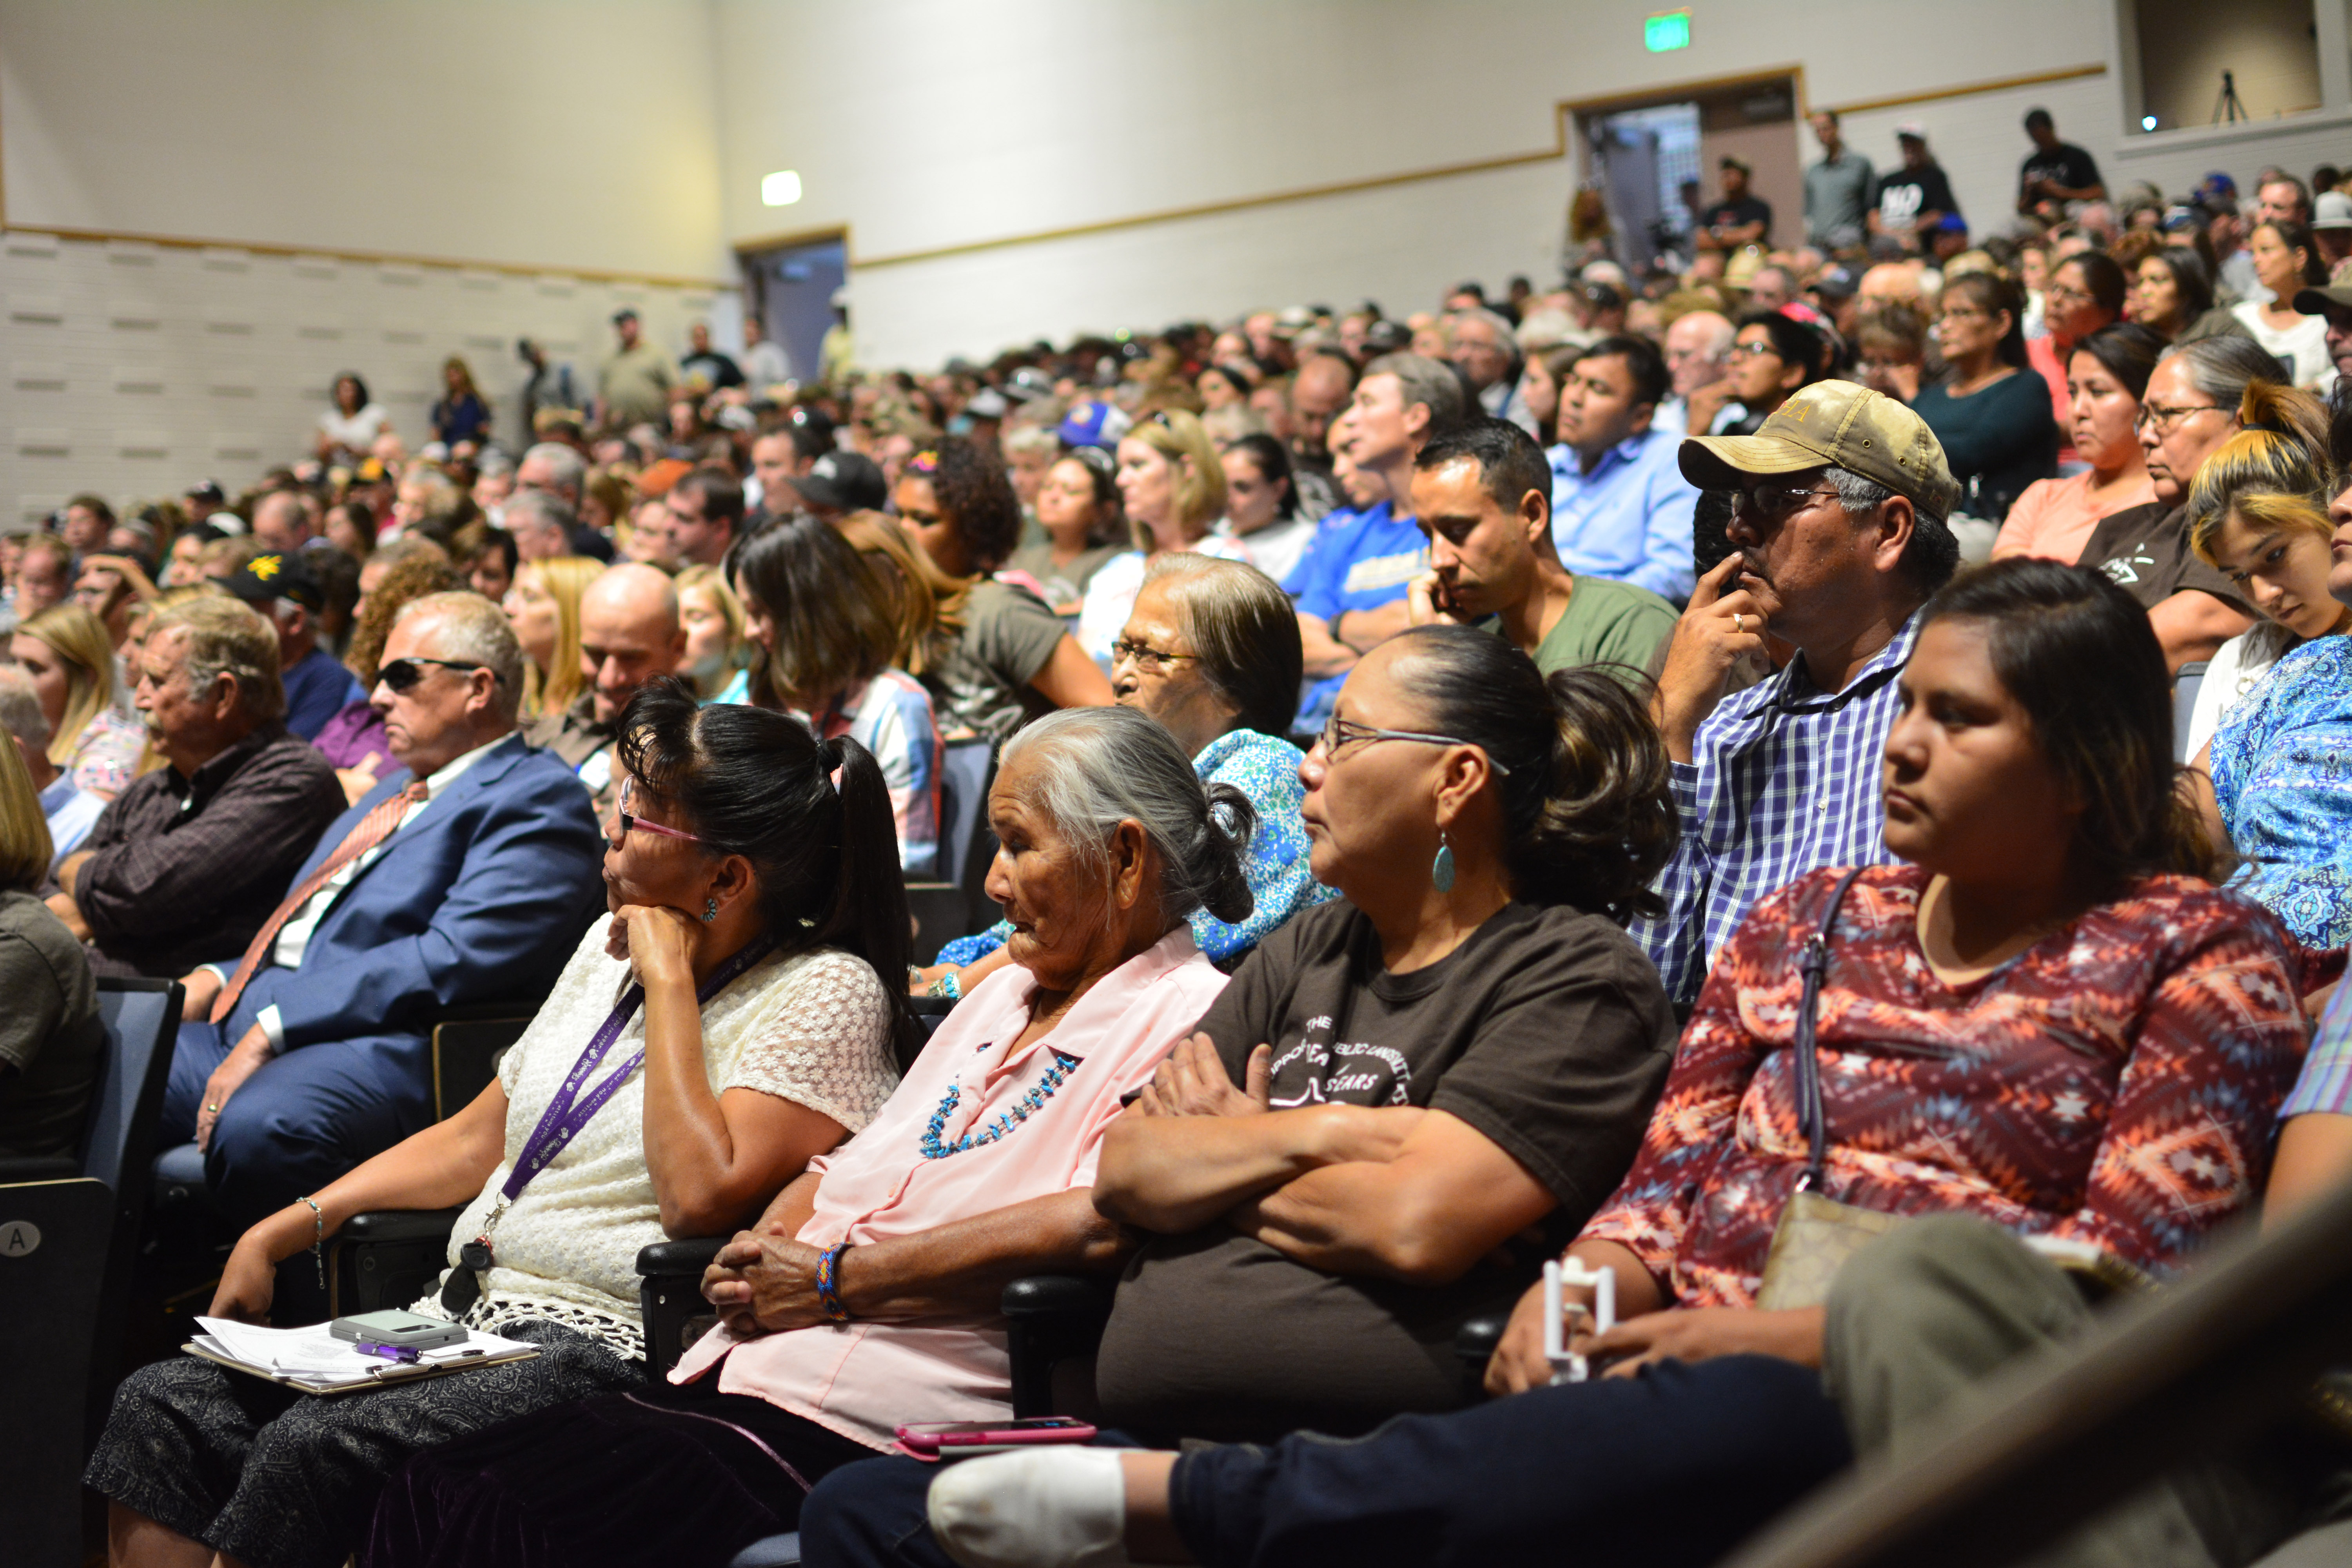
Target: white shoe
[[1049, 1508]]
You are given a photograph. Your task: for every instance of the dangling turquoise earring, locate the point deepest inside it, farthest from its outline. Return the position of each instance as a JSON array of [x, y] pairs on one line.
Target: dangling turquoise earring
[[1441, 871], [710, 906]]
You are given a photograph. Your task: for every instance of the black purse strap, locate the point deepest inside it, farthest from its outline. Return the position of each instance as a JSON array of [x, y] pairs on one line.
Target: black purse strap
[[1814, 962]]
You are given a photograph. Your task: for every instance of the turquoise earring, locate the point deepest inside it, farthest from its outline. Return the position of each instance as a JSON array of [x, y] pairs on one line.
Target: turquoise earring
[[1441, 871], [711, 908]]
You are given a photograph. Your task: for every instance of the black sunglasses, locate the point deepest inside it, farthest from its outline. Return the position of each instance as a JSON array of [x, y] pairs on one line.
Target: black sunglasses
[[402, 674]]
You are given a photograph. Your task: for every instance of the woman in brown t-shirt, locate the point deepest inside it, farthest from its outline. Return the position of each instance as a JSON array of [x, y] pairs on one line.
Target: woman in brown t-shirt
[[1397, 1086]]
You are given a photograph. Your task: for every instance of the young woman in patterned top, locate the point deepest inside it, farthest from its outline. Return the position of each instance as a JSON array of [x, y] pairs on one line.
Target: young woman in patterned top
[[754, 900], [2046, 1018]]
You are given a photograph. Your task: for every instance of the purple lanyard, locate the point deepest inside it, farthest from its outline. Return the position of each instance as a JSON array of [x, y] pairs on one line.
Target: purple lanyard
[[569, 1112]]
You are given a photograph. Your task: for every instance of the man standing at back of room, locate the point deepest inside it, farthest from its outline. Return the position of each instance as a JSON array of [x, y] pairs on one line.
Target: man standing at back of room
[[1350, 584], [634, 385], [2055, 174], [1837, 190], [1621, 506]]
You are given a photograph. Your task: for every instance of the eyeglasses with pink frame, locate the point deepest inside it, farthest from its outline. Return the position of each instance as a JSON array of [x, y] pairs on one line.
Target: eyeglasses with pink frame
[[628, 788]]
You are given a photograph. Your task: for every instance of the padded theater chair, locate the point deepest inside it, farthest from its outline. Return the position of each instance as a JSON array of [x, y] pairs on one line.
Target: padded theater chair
[[68, 1238], [466, 1045], [959, 904]]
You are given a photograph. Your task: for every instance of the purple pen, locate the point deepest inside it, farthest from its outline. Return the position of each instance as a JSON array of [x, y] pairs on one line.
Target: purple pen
[[401, 1353]]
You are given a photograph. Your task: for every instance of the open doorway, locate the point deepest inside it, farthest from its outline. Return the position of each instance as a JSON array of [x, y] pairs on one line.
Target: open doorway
[[1657, 159], [791, 287]]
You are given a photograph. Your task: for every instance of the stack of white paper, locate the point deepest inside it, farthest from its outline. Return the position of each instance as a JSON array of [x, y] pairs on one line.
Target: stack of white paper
[[314, 1357]]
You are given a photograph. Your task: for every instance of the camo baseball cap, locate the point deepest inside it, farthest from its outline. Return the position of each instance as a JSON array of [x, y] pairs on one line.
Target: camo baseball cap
[[1839, 422]]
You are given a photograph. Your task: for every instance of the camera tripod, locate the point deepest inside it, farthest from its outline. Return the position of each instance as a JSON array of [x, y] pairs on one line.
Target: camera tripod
[[2228, 108]]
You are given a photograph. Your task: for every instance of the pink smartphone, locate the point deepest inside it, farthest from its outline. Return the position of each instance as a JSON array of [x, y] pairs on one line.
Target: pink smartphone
[[959, 1439]]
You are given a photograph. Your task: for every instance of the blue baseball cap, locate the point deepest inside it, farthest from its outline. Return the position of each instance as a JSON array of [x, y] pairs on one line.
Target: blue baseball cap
[[1094, 424]]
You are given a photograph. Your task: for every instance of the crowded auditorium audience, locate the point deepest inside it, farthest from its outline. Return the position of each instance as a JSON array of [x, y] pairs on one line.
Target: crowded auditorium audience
[[1845, 703]]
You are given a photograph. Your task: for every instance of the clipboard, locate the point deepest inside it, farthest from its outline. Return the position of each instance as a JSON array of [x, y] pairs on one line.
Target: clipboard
[[378, 1377]]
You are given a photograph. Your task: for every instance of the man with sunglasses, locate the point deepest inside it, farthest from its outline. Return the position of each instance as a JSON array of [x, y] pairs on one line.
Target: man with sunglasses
[[465, 878], [1838, 535]]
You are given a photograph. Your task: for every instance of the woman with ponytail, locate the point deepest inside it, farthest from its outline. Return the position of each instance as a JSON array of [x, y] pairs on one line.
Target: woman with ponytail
[[733, 1027], [2045, 1023], [2271, 763], [869, 1293]]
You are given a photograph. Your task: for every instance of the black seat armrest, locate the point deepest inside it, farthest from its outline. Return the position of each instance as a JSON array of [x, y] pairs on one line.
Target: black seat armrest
[[1075, 1297], [38, 1168], [1475, 1340], [692, 1256], [399, 1224]]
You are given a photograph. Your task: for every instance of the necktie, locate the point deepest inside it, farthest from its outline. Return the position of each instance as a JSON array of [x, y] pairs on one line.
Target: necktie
[[372, 829]]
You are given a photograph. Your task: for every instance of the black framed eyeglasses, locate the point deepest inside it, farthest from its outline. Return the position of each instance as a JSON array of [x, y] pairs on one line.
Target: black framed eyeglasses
[[402, 675], [1148, 659], [1339, 733], [1773, 502]]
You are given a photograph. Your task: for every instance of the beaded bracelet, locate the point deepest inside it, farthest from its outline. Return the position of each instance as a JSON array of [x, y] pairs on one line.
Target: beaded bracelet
[[950, 985], [828, 1283], [319, 1246]]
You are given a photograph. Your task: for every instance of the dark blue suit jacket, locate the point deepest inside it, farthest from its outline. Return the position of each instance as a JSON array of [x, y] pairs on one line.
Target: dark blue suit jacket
[[482, 899]]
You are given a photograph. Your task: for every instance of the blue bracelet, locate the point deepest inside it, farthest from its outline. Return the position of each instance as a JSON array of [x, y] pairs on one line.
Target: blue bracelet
[[828, 1283]]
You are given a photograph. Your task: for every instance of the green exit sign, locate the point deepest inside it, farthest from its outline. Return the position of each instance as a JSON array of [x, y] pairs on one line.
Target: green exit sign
[[1669, 31]]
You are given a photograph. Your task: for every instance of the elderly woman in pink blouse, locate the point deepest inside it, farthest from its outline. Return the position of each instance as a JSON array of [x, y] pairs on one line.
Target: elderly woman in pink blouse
[[867, 1296]]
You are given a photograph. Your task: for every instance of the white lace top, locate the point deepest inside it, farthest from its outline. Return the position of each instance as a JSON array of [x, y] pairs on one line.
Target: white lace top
[[813, 1029]]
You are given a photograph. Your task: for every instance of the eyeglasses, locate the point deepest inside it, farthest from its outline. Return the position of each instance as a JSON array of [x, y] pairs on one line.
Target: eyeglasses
[[628, 821], [402, 675], [1148, 659], [1339, 733], [1962, 314], [2162, 418], [1773, 500], [1754, 350], [2055, 290]]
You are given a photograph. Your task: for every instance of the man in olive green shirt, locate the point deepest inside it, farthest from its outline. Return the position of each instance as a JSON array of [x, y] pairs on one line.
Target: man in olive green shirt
[[1482, 494], [634, 386]]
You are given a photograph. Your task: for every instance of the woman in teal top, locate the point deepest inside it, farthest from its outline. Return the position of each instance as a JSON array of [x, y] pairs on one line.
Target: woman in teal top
[[1211, 651]]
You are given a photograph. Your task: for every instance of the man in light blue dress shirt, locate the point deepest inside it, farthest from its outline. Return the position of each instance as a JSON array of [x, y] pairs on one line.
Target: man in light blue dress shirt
[[1621, 506]]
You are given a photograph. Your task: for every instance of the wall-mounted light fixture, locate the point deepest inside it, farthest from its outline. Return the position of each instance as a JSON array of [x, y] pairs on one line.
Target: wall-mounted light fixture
[[781, 189]]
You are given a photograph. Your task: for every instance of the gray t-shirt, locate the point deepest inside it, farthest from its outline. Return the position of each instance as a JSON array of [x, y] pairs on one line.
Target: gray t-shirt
[[982, 682], [1837, 195], [1547, 1031], [49, 1033]]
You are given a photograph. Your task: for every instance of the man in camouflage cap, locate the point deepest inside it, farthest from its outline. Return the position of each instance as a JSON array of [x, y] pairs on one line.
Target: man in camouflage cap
[[1837, 528]]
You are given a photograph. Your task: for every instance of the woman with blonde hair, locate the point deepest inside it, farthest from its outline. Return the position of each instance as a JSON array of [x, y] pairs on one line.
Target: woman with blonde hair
[[544, 607], [92, 736], [461, 415], [1172, 483], [718, 640], [49, 1036], [2271, 781]]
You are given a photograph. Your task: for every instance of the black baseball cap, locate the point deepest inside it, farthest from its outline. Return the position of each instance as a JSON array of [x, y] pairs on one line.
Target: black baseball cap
[[268, 578], [842, 481]]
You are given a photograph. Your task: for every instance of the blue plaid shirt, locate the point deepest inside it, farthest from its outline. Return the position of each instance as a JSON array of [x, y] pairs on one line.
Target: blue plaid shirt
[[2326, 1085], [1786, 779]]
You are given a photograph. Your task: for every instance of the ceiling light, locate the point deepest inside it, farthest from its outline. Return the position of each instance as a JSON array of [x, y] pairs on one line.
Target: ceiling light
[[781, 189]]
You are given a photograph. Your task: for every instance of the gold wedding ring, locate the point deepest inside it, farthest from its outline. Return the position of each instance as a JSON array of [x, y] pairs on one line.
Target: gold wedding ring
[[1739, 622]]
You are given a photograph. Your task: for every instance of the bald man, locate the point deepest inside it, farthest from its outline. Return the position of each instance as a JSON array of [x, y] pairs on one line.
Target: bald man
[[629, 634]]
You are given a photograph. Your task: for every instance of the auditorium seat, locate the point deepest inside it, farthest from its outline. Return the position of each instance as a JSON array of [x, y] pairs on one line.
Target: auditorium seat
[[69, 1235]]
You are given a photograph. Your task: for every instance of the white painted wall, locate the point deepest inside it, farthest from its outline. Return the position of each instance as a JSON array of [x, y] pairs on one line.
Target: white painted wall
[[135, 369], [970, 123], [630, 135], [570, 133]]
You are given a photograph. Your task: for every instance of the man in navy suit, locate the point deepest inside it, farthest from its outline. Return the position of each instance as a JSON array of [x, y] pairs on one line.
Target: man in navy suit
[[467, 877]]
